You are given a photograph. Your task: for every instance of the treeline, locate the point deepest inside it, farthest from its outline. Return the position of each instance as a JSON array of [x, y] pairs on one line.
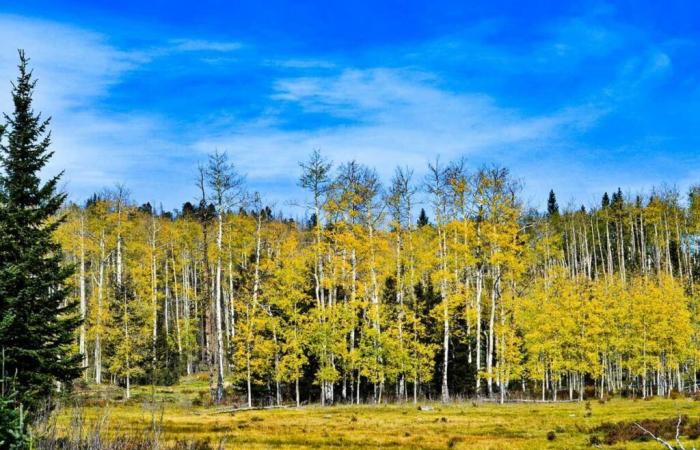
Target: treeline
[[369, 300]]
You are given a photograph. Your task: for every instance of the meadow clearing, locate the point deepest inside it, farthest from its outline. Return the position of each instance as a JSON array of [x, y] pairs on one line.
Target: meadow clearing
[[175, 415]]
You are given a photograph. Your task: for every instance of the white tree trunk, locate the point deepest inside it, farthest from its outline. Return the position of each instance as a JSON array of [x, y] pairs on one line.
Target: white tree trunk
[[217, 309], [154, 292], [100, 294], [83, 297]]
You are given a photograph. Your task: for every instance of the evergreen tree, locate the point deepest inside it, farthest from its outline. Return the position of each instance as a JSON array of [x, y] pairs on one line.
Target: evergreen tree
[[423, 219], [552, 206], [311, 223], [13, 426], [37, 322], [606, 201], [617, 199], [188, 210]]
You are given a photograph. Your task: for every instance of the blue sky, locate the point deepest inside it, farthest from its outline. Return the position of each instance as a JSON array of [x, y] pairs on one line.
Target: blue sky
[[580, 97]]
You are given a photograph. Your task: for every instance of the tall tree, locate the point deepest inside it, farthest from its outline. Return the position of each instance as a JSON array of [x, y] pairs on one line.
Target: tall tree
[[423, 219], [37, 321], [436, 181], [227, 189], [552, 205], [315, 178]]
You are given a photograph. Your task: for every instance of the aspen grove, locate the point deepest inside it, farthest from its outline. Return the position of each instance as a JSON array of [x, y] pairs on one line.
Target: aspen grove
[[440, 286]]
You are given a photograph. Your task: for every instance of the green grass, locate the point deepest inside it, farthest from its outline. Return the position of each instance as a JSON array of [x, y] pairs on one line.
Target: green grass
[[458, 425]]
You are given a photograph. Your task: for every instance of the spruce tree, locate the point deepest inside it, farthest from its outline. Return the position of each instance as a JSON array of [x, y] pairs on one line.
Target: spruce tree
[[423, 219], [552, 206], [617, 199], [37, 321], [605, 202]]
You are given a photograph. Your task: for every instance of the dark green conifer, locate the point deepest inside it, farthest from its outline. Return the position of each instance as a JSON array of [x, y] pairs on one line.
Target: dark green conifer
[[617, 199], [37, 320], [423, 218], [552, 205]]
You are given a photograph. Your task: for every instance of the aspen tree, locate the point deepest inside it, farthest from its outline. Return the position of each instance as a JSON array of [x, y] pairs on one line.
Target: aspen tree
[[363, 303], [72, 236], [99, 224], [400, 202], [288, 290], [436, 187], [315, 178], [227, 191]]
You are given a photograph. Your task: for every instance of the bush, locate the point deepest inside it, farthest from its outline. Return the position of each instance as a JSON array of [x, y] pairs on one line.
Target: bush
[[13, 428], [693, 430], [663, 428], [203, 399], [595, 441], [453, 441]]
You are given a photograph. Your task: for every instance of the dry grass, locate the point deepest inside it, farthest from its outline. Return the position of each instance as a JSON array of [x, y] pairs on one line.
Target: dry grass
[[461, 425]]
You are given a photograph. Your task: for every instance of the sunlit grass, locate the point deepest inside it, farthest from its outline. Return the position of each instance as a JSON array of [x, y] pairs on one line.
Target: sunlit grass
[[459, 425]]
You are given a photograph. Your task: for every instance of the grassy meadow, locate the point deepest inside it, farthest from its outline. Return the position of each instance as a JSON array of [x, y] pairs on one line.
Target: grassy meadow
[[175, 414]]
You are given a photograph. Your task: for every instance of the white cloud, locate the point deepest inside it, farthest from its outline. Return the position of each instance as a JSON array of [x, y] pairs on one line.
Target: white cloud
[[301, 63], [76, 70], [200, 45], [394, 117], [382, 117], [73, 66]]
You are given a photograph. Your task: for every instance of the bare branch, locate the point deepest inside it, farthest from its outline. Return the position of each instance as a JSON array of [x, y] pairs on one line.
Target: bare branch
[[657, 439]]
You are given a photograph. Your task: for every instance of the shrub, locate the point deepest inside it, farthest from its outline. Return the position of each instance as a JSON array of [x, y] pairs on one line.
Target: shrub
[[693, 430], [453, 441], [663, 428], [203, 399], [13, 428], [595, 441]]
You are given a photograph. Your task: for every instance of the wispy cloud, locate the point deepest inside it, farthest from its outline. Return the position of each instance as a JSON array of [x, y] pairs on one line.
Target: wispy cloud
[[396, 117], [554, 107], [297, 63], [96, 147], [200, 45], [78, 65]]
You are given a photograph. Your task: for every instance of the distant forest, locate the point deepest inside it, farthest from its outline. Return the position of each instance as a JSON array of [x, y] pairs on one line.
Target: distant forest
[[375, 299]]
